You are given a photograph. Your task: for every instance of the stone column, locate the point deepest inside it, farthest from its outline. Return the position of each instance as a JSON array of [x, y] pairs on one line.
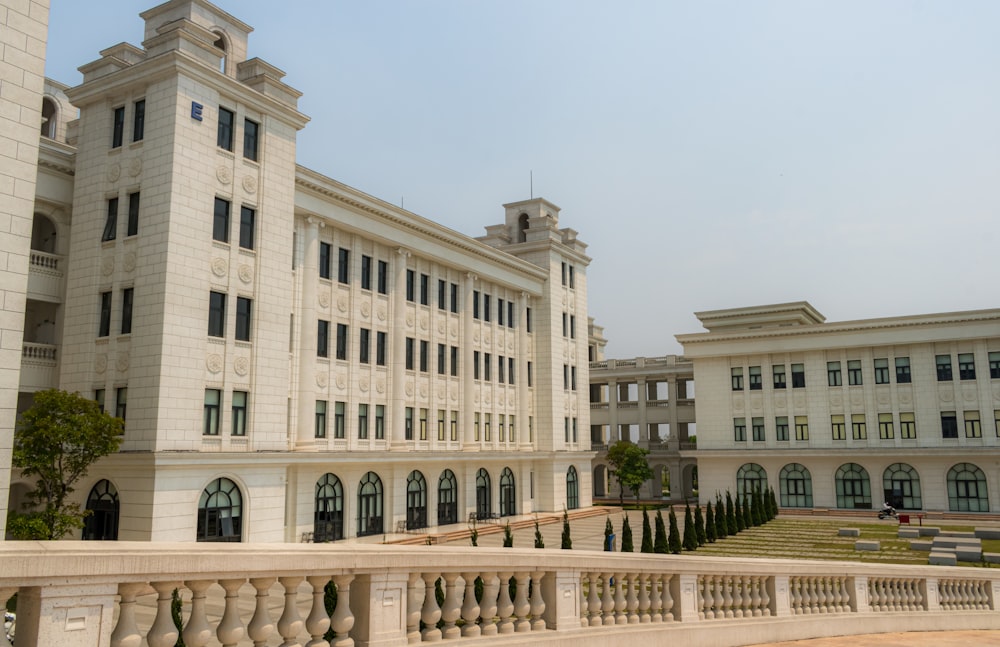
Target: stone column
[[466, 416], [673, 444], [309, 270], [640, 391], [397, 386], [614, 433], [76, 615], [378, 602], [561, 592], [523, 354]]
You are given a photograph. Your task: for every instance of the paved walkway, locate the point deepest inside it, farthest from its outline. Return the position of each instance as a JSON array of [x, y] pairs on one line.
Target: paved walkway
[[907, 639]]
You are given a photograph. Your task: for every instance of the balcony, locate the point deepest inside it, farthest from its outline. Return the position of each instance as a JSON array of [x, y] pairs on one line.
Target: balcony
[[39, 367], [45, 276], [90, 594]]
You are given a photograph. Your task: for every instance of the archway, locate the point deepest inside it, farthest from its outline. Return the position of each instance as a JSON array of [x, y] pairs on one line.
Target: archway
[[220, 512], [416, 501], [328, 521], [104, 508], [901, 487], [447, 498], [967, 489], [370, 505], [508, 498], [853, 487]]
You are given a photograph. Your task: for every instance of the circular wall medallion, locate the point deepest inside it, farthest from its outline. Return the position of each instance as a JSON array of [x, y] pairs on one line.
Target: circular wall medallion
[[129, 262], [441, 327], [122, 363], [322, 379], [947, 396], [366, 310], [475, 337], [224, 174], [883, 398], [905, 398], [409, 320], [454, 396], [737, 403], [241, 366], [341, 381], [324, 299], [409, 388], [114, 172], [780, 402], [423, 391], [423, 322], [101, 363], [380, 313], [487, 399], [440, 393], [836, 400], [380, 385], [213, 363], [108, 266], [219, 267], [454, 331], [363, 385], [342, 304], [245, 272], [135, 166], [249, 183]]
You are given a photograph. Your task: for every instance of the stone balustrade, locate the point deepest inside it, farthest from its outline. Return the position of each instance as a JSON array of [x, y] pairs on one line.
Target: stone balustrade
[[89, 594]]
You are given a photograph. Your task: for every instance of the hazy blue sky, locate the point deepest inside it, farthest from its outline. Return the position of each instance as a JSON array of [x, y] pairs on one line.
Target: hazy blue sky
[[713, 154]]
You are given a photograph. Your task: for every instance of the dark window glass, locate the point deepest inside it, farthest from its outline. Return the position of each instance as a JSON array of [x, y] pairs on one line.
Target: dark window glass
[[366, 272], [510, 370], [510, 314], [949, 425], [220, 221], [320, 426], [527, 319], [244, 315], [383, 277], [133, 214], [424, 297], [104, 328], [343, 265], [126, 311], [341, 341], [247, 217], [454, 297], [903, 370], [442, 295], [944, 368], [475, 364], [139, 121], [224, 139], [454, 361], [250, 135], [216, 314], [380, 343], [423, 356], [966, 366], [487, 372], [442, 359], [240, 413], [323, 339], [339, 420], [409, 353], [111, 221], [363, 341], [486, 307], [410, 278], [475, 304], [118, 127], [210, 425], [798, 376], [500, 311], [121, 400], [324, 260]]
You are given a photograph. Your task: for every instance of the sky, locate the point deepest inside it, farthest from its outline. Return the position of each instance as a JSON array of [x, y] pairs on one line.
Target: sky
[[713, 154]]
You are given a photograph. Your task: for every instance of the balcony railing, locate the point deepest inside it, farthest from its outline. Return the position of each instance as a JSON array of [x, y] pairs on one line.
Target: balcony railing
[[81, 594]]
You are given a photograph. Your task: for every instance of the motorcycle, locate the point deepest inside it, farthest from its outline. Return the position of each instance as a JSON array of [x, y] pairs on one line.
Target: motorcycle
[[885, 513]]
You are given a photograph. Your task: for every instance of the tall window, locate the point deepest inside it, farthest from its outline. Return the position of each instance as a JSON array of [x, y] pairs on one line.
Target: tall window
[[798, 376], [343, 265], [224, 136], [994, 365], [240, 413], [423, 424], [220, 221], [949, 425], [411, 277], [837, 427], [322, 338], [486, 307], [342, 341], [380, 344], [781, 428], [370, 505], [408, 423], [737, 378], [363, 342], [442, 294], [383, 277], [795, 486], [363, 421], [325, 250], [758, 429], [416, 501], [882, 371], [220, 512], [138, 120], [885, 428], [320, 425], [907, 426], [339, 420], [454, 361], [853, 487], [801, 428], [901, 485], [244, 318], [379, 422], [943, 363], [454, 298], [454, 425], [118, 127], [750, 477], [441, 421], [111, 221], [967, 489], [756, 380], [447, 498], [409, 353], [127, 311], [103, 505], [251, 130], [859, 431], [966, 366], [508, 493], [210, 424], [328, 524], [572, 489], [902, 370], [833, 374], [778, 370], [424, 289], [423, 355], [121, 402], [366, 272], [854, 372], [484, 505], [973, 428], [216, 314], [442, 361], [247, 217], [104, 326], [500, 312], [739, 429], [132, 227]]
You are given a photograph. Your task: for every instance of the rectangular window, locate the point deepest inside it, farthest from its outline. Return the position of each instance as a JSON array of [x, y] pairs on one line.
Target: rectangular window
[[139, 120], [210, 426], [739, 429], [798, 376], [564, 274], [756, 379], [778, 370], [566, 429], [362, 422], [411, 278], [500, 312], [572, 378], [220, 221], [833, 374], [973, 428], [859, 431], [475, 426], [121, 402], [943, 363], [487, 428], [454, 361], [454, 297], [383, 277], [251, 131], [224, 136], [325, 254], [510, 314], [885, 429], [118, 127], [837, 427], [882, 371], [510, 370], [423, 355], [994, 366], [454, 426], [442, 363], [801, 428], [127, 311], [781, 428], [511, 430], [409, 353], [240, 413], [104, 327], [423, 424], [442, 295], [572, 279], [380, 344], [99, 399], [244, 316], [487, 299], [572, 326], [132, 227], [111, 221], [441, 419], [487, 370], [854, 372], [363, 341], [366, 272], [216, 314], [527, 320], [949, 425], [343, 265], [408, 424], [501, 365], [320, 423], [530, 375], [247, 217], [424, 289], [565, 377], [475, 304], [339, 420], [565, 324], [966, 366], [322, 338], [737, 378], [757, 425], [379, 422], [907, 426], [341, 341], [902, 370]]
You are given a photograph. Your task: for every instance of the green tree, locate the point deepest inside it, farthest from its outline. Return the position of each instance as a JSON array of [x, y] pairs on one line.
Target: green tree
[[608, 531], [690, 538], [731, 526], [674, 536], [759, 514], [56, 441], [774, 503], [647, 534], [567, 541], [710, 524], [747, 518], [539, 543], [629, 467], [660, 537], [508, 536], [627, 536], [176, 606], [738, 513], [474, 535], [721, 523], [699, 526]]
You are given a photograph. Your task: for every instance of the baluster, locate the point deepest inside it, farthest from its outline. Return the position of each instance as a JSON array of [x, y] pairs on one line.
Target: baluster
[[431, 612], [126, 633], [655, 598], [290, 623], [521, 605], [537, 602], [668, 599], [755, 586], [505, 606], [873, 594], [261, 626], [815, 587], [470, 608], [318, 620], [196, 632], [163, 633], [741, 594], [834, 595], [414, 600], [607, 599], [342, 620], [632, 600], [765, 599], [644, 602], [793, 595], [620, 602], [702, 595], [488, 607], [896, 586], [825, 595], [723, 596], [584, 603], [230, 630], [452, 608]]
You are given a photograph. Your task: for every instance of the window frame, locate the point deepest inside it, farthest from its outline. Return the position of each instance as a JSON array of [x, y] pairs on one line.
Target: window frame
[[798, 376], [104, 322], [322, 338], [128, 295], [212, 417], [138, 120], [110, 231], [881, 368], [320, 419], [117, 126], [239, 422], [220, 220], [944, 368], [217, 314], [248, 217], [244, 319], [342, 342], [225, 129], [251, 139], [967, 367], [132, 224]]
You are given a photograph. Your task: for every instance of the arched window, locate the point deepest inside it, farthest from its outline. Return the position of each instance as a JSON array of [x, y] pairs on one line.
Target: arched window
[[416, 501], [102, 503], [50, 115], [328, 522], [853, 487], [901, 486], [967, 489], [796, 486], [370, 505], [522, 227], [508, 498], [223, 44], [220, 512], [43, 236], [572, 489], [484, 507], [447, 498], [750, 477]]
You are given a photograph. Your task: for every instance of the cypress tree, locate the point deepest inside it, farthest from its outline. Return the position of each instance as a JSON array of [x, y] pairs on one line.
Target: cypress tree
[[699, 526], [608, 531], [176, 605], [508, 536], [660, 538], [758, 502], [710, 522], [674, 536], [747, 519], [690, 537], [774, 504], [755, 519], [627, 537], [721, 524], [567, 541], [731, 525], [738, 514], [647, 535], [539, 543]]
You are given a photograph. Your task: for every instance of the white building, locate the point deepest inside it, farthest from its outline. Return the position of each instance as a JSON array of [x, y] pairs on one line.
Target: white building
[[289, 354], [848, 414]]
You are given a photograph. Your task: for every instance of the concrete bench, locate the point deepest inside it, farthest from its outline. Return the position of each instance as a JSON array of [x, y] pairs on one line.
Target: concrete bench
[[867, 544], [908, 533], [921, 545], [958, 534], [942, 559], [992, 558], [987, 533], [928, 531], [969, 554], [957, 542], [849, 532]]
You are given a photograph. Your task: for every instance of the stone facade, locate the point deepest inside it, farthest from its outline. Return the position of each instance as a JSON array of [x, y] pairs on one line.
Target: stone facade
[[291, 356]]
